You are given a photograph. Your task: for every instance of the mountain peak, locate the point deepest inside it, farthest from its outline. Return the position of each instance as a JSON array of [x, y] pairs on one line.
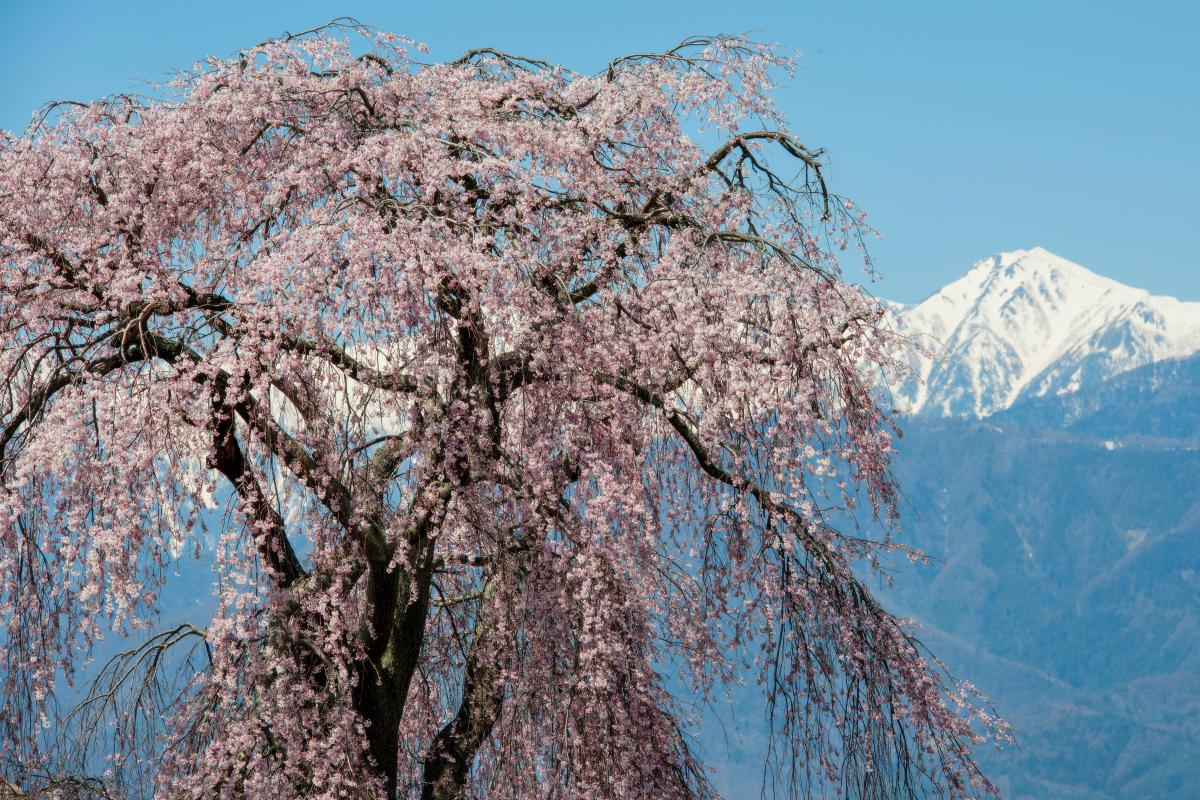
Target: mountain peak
[[1036, 264], [1037, 252], [1029, 322]]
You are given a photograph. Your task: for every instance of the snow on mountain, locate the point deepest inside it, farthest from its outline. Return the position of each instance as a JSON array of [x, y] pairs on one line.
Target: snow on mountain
[[1031, 323]]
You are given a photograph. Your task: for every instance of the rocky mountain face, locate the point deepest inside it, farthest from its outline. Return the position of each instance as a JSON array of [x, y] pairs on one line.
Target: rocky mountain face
[[1028, 324]]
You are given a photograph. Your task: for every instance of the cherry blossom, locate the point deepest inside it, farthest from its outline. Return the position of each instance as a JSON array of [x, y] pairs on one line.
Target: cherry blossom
[[512, 399]]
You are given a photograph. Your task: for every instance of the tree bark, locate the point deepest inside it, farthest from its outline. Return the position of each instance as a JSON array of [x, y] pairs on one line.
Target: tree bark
[[398, 606]]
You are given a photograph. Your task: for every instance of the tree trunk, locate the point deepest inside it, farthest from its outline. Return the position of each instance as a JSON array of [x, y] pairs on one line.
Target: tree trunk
[[386, 673]]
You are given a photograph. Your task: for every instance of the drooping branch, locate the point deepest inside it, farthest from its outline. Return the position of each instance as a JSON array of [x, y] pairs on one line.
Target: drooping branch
[[351, 366], [134, 687], [686, 430], [447, 766], [790, 144]]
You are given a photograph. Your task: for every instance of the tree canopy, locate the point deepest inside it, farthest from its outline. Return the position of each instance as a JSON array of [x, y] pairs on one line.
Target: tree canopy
[[522, 424]]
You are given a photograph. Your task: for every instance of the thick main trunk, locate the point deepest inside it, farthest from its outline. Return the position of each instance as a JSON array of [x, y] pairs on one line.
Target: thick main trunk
[[393, 633], [381, 707], [399, 606]]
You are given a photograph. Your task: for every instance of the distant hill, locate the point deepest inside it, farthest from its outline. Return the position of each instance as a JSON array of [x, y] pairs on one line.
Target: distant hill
[[1067, 586]]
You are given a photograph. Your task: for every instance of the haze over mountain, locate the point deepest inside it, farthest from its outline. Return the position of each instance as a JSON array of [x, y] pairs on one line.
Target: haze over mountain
[[1029, 323]]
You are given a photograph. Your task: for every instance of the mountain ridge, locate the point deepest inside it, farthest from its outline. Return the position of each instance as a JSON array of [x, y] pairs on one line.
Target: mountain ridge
[[1030, 323]]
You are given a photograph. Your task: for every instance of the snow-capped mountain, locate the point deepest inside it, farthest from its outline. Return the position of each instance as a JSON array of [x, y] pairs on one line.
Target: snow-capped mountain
[[1028, 323]]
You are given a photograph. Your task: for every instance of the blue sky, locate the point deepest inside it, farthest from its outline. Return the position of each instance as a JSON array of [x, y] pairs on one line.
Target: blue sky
[[963, 128]]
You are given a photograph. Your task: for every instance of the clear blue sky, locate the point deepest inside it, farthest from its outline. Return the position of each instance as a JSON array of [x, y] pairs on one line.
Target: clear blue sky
[[965, 128]]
